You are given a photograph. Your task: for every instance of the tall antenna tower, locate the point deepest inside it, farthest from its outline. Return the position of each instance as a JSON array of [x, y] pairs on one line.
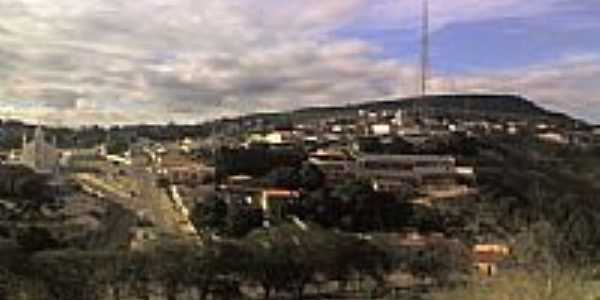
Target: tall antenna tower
[[425, 48], [424, 76]]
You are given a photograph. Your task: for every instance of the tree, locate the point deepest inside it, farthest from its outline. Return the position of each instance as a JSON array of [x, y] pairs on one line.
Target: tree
[[71, 274], [285, 177], [241, 219], [140, 274], [256, 161], [291, 257], [269, 260], [215, 272], [284, 258], [317, 206], [211, 214], [306, 177], [117, 146], [310, 177], [10, 284], [34, 238], [170, 267], [357, 204], [443, 261]]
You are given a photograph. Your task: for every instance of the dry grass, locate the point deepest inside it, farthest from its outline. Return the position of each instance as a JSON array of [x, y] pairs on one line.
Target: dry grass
[[526, 286]]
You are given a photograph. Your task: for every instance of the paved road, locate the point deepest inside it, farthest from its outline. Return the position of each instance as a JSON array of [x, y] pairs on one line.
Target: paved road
[[146, 199], [156, 202]]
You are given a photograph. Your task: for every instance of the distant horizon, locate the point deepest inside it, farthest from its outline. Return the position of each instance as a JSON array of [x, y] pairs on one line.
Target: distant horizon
[[34, 123]]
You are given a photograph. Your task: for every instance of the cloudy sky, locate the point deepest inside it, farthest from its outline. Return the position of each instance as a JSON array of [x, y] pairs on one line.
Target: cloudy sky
[[71, 62]]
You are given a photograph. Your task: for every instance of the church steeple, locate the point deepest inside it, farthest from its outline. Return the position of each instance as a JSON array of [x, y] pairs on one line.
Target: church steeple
[[38, 154], [38, 135], [23, 141]]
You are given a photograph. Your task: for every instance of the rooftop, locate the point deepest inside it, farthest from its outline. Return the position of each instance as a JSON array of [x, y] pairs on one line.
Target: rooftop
[[404, 157]]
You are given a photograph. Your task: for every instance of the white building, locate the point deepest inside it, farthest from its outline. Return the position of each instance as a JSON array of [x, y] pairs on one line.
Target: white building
[[381, 129], [553, 137], [399, 118], [39, 155]]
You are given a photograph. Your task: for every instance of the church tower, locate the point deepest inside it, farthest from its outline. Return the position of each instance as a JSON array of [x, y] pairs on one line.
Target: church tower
[[23, 142], [38, 154]]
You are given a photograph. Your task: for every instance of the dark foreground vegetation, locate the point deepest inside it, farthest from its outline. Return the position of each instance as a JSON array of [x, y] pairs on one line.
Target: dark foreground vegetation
[[289, 260]]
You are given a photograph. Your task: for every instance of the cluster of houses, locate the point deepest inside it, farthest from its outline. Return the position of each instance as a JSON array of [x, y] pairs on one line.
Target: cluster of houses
[[389, 123], [333, 145]]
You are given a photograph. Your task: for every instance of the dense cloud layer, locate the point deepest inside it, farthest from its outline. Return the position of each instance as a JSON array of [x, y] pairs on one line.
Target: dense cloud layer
[[109, 61]]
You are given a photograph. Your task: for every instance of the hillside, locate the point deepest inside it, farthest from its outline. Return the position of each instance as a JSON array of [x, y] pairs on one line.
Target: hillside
[[462, 106], [490, 105]]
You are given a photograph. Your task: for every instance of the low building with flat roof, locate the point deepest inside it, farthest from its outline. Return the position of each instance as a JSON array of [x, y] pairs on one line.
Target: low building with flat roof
[[399, 172], [336, 166], [177, 169]]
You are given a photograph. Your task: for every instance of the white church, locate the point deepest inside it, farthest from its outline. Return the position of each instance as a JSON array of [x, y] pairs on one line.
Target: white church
[[38, 154]]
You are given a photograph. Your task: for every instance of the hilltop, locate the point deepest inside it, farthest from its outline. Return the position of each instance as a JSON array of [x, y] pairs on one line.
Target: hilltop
[[500, 106]]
